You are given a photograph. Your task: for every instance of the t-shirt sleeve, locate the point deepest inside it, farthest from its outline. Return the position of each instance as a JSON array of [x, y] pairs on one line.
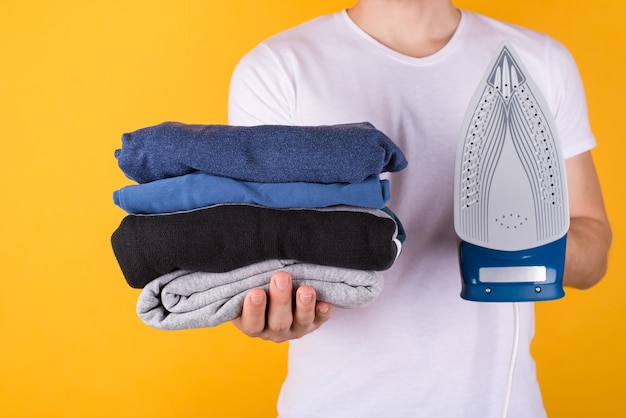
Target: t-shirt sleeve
[[570, 103], [260, 91]]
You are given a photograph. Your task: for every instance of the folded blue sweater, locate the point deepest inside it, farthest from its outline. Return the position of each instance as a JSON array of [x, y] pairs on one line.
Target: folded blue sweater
[[198, 189], [267, 153]]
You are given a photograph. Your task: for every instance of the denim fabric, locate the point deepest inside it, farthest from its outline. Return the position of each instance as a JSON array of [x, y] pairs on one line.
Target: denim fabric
[[268, 153], [186, 299], [197, 190]]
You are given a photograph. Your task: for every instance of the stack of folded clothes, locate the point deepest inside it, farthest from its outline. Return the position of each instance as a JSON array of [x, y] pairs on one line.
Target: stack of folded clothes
[[218, 209]]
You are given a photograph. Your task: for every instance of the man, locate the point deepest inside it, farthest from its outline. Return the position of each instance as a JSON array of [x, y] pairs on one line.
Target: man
[[410, 68]]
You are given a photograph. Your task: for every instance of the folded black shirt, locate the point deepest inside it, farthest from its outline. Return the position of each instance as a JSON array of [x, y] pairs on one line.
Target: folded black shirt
[[224, 237]]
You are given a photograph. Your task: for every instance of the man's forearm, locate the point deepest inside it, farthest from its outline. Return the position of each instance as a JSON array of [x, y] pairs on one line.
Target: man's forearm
[[588, 243]]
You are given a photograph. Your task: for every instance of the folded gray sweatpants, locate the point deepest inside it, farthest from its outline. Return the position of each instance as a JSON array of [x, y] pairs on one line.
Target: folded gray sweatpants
[[189, 299]]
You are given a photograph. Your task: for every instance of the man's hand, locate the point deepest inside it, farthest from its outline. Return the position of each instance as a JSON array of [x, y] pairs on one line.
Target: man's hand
[[278, 318]]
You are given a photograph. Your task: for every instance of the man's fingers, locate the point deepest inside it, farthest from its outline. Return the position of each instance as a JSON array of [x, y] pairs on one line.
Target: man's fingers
[[252, 319], [309, 314], [304, 314], [280, 312], [323, 311], [277, 316]]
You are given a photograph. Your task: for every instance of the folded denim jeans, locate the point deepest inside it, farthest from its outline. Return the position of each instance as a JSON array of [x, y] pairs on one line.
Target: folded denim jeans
[[268, 153]]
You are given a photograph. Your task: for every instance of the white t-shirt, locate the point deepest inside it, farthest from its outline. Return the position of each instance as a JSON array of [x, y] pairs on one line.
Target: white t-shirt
[[419, 350]]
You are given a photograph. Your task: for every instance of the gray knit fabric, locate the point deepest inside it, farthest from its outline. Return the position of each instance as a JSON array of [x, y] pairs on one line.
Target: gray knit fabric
[[186, 299]]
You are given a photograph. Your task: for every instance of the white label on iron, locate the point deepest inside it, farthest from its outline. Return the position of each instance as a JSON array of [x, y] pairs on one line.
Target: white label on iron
[[517, 274]]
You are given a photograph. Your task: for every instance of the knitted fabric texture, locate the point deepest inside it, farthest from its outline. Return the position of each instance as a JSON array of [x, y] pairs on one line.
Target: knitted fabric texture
[[184, 299], [225, 237]]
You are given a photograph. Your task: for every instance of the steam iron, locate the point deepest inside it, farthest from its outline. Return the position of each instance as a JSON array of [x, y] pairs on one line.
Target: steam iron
[[511, 210]]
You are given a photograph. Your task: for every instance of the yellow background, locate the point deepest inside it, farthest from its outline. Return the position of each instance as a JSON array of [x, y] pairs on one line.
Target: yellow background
[[74, 75]]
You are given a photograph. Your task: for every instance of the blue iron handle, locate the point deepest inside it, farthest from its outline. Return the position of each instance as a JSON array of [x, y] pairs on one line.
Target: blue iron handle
[[529, 275]]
